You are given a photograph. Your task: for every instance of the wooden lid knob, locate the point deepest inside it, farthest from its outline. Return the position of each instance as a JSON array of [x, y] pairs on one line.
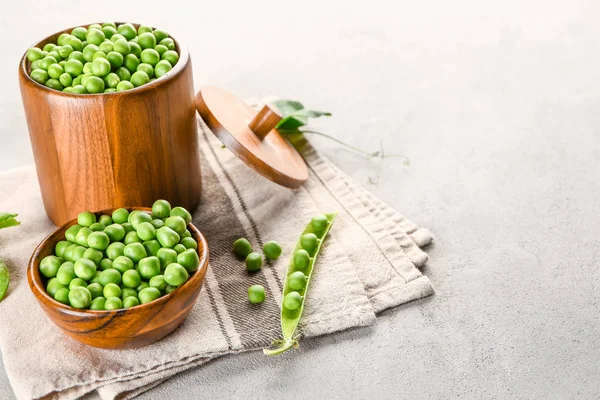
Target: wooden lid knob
[[264, 122]]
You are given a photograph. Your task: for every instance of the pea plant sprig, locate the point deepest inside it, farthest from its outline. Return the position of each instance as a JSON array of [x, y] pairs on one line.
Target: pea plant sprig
[[296, 116], [6, 221]]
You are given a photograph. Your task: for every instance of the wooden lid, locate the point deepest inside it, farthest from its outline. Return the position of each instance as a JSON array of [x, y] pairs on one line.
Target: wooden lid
[[252, 136]]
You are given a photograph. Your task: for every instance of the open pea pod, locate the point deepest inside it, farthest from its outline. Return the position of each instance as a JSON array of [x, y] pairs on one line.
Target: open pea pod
[[297, 279]]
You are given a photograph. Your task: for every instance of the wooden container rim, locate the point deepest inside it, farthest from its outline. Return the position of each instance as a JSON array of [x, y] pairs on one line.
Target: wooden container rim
[[35, 280], [184, 59]]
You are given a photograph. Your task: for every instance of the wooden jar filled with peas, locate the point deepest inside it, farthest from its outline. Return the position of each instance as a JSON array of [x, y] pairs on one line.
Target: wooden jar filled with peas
[[111, 115]]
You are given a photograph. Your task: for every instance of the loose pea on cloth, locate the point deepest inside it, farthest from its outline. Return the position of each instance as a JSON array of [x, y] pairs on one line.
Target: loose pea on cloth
[[369, 263]]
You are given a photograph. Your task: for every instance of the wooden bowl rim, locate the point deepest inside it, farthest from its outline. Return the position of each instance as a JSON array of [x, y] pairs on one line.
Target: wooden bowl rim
[[184, 60], [35, 280]]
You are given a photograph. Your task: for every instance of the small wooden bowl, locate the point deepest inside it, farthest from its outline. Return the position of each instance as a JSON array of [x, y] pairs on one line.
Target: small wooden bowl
[[99, 151], [118, 329]]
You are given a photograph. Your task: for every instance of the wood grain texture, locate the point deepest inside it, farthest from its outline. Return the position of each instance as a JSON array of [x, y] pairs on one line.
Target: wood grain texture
[[268, 153], [99, 151], [118, 329]]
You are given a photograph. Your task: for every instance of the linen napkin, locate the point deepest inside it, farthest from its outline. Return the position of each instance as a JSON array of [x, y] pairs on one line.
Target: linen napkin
[[369, 263]]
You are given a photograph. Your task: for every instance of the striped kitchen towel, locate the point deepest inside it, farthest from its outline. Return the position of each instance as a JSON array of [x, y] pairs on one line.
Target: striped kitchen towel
[[370, 262]]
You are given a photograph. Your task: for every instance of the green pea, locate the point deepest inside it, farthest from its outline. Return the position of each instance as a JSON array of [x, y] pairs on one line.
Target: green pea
[[296, 280], [253, 262], [128, 227], [176, 275], [146, 231], [256, 294], [142, 286], [110, 275], [147, 68], [179, 248], [87, 70], [49, 46], [80, 297], [123, 74], [109, 31], [113, 303], [128, 292], [148, 294], [177, 224], [106, 47], [190, 261], [106, 263], [86, 218], [54, 54], [122, 264], [106, 220], [96, 290], [74, 67], [135, 48], [96, 278], [82, 236], [115, 59], [242, 247], [167, 237], [272, 250], [89, 51], [170, 288], [34, 54], [150, 56], [54, 84], [95, 36], [115, 232], [53, 285], [131, 278], [111, 290], [138, 218], [77, 282], [61, 40], [166, 257], [143, 29], [149, 267], [79, 89], [85, 269], [158, 281], [75, 43], [115, 250], [99, 54], [131, 302], [78, 253], [301, 260], [117, 36], [168, 43], [36, 65], [49, 266], [161, 49], [65, 79], [98, 304], [122, 46], [55, 71], [187, 233], [111, 80], [292, 301], [124, 85], [162, 68], [147, 40], [109, 23], [120, 216], [77, 55], [161, 209], [40, 76], [98, 240], [94, 255], [46, 62], [152, 247], [94, 84], [62, 295], [171, 56], [131, 63], [181, 212], [309, 242], [97, 227], [62, 63], [135, 251], [101, 67], [127, 30], [189, 243], [60, 247], [68, 253], [79, 32], [94, 26], [158, 223]]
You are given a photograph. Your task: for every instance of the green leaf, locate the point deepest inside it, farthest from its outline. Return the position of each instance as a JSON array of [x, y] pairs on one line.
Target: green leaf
[[7, 220], [292, 122], [312, 113], [4, 279], [287, 107]]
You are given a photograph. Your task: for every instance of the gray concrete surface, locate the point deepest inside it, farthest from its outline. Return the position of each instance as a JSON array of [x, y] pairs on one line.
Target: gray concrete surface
[[496, 104]]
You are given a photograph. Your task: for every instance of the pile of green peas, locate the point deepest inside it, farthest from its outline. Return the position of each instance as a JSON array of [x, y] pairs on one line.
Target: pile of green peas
[[122, 260], [243, 249], [103, 58]]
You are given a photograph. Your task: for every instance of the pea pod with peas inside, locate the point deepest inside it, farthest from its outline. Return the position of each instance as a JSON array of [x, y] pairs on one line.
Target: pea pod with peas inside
[[297, 279]]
